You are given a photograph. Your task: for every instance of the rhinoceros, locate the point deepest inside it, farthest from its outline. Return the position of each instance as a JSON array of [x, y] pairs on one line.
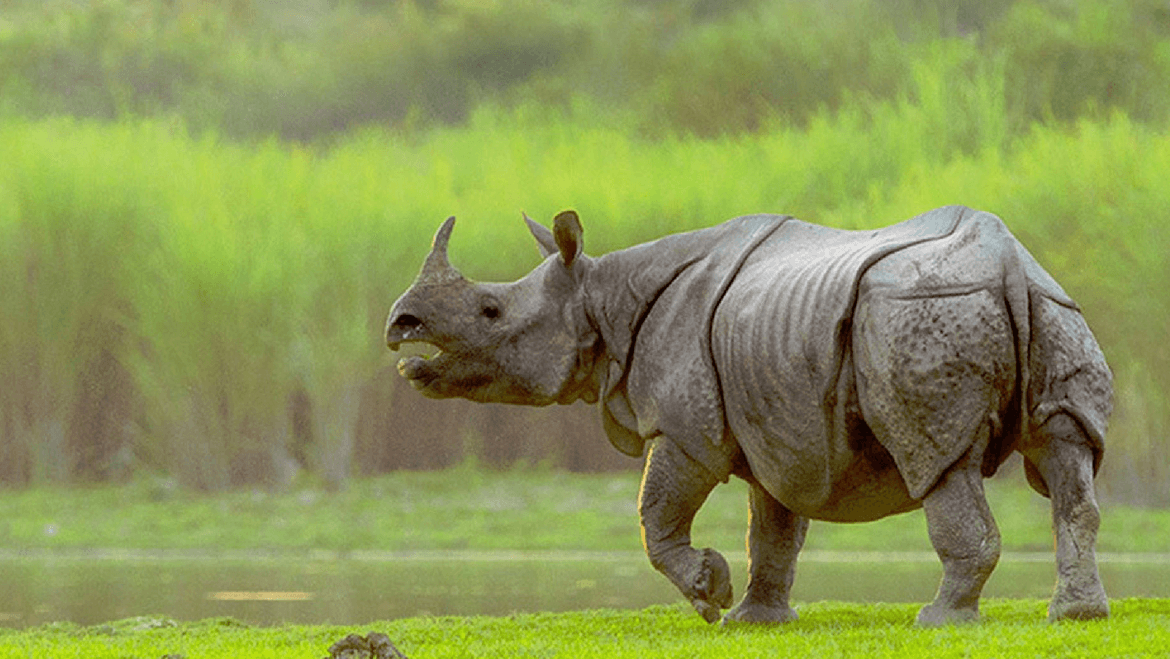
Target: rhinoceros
[[845, 375]]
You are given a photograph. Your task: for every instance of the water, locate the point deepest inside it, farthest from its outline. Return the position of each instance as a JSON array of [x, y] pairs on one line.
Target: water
[[325, 589]]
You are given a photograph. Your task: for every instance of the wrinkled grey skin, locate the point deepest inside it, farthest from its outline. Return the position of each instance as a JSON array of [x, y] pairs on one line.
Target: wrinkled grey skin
[[845, 375]]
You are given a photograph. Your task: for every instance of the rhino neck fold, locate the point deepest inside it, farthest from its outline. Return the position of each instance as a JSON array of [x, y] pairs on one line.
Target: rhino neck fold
[[621, 289], [673, 283], [623, 286]]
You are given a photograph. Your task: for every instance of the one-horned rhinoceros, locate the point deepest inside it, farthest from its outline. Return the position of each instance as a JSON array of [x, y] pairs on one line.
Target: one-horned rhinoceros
[[845, 375]]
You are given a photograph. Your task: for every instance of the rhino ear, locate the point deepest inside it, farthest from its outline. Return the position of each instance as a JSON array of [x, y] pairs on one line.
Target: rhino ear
[[567, 232], [544, 237]]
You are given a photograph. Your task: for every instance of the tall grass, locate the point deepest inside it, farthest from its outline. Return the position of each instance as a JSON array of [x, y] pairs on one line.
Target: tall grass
[[227, 301], [71, 209]]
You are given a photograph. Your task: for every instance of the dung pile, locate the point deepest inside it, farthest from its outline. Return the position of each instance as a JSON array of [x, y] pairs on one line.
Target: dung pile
[[373, 646]]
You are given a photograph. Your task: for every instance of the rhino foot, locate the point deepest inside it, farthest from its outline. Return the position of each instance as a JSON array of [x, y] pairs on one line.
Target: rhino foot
[[758, 613], [711, 591], [1068, 606], [938, 615]]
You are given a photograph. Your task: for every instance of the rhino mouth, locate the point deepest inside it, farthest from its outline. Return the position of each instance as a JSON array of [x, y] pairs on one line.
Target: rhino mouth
[[407, 335], [419, 362]]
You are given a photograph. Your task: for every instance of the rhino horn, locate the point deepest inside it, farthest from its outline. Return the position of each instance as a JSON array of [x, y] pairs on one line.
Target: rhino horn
[[437, 269]]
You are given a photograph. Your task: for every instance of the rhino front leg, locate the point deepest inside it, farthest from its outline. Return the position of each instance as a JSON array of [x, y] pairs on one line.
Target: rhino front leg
[[1064, 460], [965, 536], [674, 487], [775, 536]]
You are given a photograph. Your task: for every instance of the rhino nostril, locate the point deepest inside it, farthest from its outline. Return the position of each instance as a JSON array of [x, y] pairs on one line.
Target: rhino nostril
[[406, 321], [403, 327]]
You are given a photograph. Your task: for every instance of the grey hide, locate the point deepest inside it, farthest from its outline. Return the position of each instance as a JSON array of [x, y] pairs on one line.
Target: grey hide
[[845, 375]]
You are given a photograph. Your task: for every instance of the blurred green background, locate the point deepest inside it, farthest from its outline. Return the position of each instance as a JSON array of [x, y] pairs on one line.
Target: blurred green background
[[207, 207]]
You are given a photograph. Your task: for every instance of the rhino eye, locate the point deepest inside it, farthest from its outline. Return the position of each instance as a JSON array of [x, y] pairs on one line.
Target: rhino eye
[[490, 310]]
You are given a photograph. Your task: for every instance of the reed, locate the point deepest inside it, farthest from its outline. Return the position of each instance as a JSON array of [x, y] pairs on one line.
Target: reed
[[217, 308]]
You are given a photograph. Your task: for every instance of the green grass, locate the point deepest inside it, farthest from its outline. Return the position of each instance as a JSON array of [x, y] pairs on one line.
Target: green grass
[[1138, 628], [526, 509]]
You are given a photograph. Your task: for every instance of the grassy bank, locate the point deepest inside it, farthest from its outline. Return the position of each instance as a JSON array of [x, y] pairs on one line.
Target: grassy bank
[[1138, 628], [479, 510]]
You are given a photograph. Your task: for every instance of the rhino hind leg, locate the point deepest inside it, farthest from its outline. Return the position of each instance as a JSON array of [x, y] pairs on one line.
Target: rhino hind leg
[[1063, 457], [1032, 472], [674, 487], [775, 536], [964, 534]]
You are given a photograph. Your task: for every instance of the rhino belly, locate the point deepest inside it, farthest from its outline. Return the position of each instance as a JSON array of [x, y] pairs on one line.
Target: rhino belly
[[832, 469]]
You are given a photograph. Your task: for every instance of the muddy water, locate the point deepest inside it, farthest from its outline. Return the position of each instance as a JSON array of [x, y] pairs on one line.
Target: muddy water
[[360, 588]]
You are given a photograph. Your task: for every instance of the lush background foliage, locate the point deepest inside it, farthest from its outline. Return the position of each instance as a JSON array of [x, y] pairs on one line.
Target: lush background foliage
[[206, 208]]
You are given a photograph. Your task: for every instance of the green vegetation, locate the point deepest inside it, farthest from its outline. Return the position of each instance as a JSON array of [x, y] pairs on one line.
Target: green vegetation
[[481, 510], [1138, 628], [206, 208], [171, 297], [301, 69]]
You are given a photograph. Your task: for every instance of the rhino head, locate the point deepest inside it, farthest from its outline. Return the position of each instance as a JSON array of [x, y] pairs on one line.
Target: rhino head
[[526, 342]]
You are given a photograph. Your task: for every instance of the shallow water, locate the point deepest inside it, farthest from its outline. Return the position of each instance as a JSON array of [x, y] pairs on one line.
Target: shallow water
[[360, 588]]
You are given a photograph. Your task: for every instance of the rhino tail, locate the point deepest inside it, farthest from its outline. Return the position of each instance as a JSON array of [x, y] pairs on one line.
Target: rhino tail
[[1018, 300]]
